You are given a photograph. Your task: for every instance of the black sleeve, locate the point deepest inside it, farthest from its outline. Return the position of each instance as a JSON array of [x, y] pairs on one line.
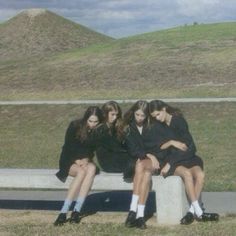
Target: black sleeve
[[67, 149], [183, 131], [134, 145]]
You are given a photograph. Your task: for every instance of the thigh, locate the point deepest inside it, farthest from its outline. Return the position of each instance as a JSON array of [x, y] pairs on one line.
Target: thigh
[[197, 171], [182, 171], [147, 165]]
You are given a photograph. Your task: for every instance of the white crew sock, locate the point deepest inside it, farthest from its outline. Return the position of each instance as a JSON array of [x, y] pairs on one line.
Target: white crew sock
[[79, 204], [197, 209], [134, 203], [140, 212], [191, 209], [66, 206]]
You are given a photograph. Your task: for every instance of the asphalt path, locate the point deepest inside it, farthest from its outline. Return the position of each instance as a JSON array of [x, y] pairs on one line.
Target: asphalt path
[[63, 102]]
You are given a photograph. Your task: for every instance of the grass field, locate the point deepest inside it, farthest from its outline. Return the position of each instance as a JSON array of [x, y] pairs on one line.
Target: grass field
[[27, 223], [31, 137]]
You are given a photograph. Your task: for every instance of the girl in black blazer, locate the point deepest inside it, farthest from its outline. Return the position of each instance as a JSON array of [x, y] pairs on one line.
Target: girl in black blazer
[[76, 161], [111, 153], [138, 135], [181, 158]]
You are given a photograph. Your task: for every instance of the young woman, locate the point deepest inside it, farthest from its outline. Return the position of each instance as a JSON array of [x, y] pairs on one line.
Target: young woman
[[111, 153], [75, 160], [137, 135], [181, 158]]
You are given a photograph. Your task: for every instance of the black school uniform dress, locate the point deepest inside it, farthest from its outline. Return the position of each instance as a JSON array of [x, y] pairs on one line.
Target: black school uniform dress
[[178, 130], [147, 142], [74, 149], [111, 154]]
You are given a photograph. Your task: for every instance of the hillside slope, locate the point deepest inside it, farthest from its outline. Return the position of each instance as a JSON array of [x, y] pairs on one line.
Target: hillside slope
[[39, 32], [188, 61]]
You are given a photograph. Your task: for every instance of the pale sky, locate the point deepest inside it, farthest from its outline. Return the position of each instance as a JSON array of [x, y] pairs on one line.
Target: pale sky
[[122, 18]]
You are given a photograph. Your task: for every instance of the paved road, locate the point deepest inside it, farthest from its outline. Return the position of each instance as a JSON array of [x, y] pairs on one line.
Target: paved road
[[62, 102], [220, 202]]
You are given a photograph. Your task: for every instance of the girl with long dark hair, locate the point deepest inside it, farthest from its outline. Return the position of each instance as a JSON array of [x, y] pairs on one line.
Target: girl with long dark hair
[[181, 158], [76, 161], [111, 153]]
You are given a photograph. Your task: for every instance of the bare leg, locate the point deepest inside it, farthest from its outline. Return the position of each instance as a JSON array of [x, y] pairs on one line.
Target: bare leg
[[79, 174], [146, 180], [187, 177], [88, 180], [198, 176], [138, 177]]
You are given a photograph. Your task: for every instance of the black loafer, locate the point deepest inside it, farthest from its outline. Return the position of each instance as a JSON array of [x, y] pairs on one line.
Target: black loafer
[[61, 219], [75, 217], [140, 223], [208, 217], [187, 219], [131, 219]]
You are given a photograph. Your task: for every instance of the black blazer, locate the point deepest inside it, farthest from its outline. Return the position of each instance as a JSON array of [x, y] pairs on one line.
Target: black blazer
[[73, 149]]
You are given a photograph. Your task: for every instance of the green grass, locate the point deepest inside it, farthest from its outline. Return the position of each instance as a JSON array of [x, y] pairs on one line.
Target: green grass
[[32, 223], [188, 61], [31, 137]]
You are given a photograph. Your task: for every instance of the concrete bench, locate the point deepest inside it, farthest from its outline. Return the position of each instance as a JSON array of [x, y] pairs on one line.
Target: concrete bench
[[171, 201]]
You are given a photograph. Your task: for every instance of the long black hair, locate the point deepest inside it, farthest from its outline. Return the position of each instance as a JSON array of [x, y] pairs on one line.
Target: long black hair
[[158, 105], [82, 130]]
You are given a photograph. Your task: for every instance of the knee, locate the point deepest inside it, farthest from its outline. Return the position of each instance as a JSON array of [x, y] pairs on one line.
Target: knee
[[91, 169], [187, 175], [200, 176]]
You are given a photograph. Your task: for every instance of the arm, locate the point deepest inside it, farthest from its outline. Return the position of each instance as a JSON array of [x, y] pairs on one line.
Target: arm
[[174, 143], [181, 127], [155, 162]]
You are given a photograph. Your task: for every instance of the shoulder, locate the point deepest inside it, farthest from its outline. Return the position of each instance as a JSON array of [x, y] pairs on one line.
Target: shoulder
[[179, 120]]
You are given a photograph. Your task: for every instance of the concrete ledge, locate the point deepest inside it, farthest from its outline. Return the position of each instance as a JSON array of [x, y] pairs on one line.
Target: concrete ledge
[[171, 199]]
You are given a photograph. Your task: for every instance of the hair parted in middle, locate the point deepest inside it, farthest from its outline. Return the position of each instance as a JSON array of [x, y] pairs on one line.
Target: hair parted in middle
[[139, 105]]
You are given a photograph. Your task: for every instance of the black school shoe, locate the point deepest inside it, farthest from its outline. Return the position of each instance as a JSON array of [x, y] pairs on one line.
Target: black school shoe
[[61, 219], [140, 223], [208, 217], [75, 217], [131, 219], [187, 219]]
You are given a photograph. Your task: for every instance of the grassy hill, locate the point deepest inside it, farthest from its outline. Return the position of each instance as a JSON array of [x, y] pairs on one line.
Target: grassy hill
[[187, 61], [39, 32]]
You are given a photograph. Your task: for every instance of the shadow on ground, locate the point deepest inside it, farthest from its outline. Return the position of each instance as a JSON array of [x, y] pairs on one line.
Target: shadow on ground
[[114, 201]]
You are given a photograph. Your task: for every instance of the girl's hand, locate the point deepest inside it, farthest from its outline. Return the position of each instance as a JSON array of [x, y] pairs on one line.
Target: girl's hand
[[82, 163], [179, 145], [155, 162], [165, 169]]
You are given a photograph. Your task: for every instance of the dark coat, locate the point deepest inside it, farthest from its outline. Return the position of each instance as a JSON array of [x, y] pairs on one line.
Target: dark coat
[[178, 130], [73, 149], [149, 141], [111, 153]]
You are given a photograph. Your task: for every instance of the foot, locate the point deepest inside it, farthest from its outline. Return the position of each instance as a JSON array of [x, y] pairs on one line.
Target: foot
[[75, 217], [208, 217], [131, 219], [187, 219], [61, 219], [140, 223]]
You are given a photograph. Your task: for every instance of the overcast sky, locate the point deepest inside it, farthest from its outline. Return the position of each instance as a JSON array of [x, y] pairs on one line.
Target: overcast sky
[[121, 18]]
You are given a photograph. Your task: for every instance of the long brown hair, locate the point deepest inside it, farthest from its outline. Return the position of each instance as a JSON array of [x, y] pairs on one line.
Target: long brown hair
[[82, 128], [113, 106], [139, 105]]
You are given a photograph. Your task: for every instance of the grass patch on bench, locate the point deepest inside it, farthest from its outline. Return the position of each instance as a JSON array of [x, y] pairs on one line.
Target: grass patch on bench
[[32, 136], [41, 223]]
